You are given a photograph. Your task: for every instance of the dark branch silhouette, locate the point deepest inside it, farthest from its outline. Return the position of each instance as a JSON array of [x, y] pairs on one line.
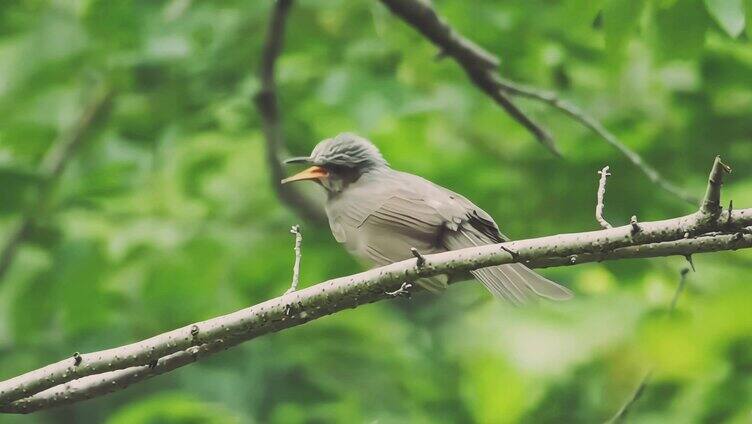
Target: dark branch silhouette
[[268, 107]]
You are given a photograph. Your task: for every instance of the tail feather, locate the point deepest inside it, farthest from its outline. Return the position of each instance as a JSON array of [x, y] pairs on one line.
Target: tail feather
[[500, 285], [514, 282], [519, 284], [435, 284], [541, 285]]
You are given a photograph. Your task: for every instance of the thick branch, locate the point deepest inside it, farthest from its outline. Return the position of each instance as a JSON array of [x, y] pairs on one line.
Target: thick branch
[[658, 238], [689, 234], [289, 311], [52, 166], [481, 68], [267, 105]]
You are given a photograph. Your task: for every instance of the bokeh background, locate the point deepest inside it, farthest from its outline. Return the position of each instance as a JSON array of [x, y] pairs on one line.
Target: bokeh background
[[166, 215]]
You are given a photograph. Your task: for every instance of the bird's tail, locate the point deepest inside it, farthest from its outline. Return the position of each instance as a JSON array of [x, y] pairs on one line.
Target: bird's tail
[[519, 284], [514, 282]]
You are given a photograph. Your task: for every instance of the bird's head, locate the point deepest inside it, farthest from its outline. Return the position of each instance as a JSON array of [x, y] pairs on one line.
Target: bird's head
[[338, 161]]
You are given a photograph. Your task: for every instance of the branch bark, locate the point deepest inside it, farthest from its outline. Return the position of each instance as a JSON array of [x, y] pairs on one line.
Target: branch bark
[[93, 374], [482, 69], [268, 108], [52, 166]]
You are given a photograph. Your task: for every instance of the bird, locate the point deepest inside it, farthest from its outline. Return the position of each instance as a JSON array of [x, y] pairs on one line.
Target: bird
[[381, 215]]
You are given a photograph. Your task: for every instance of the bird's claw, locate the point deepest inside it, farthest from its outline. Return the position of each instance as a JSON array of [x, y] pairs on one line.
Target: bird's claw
[[404, 290]]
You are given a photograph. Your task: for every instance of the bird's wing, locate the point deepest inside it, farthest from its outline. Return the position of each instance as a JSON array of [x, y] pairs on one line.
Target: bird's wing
[[514, 282]]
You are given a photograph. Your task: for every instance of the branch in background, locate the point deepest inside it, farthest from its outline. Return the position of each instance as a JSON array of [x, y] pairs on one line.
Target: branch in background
[[52, 166], [599, 198], [267, 105], [89, 375], [481, 67], [621, 415], [596, 127], [296, 267]]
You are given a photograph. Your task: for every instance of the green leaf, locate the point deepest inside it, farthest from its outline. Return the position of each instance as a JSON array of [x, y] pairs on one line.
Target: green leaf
[[729, 14], [582, 13], [680, 29], [748, 9], [620, 19]]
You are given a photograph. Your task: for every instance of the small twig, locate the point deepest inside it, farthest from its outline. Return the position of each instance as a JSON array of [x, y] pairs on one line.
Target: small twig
[[690, 261], [621, 415], [404, 290], [194, 334], [636, 395], [296, 268], [77, 359], [730, 211], [420, 259], [515, 255], [601, 192], [635, 225], [711, 203], [679, 289]]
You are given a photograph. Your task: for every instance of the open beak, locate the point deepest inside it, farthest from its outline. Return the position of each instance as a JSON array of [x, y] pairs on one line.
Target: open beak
[[312, 173]]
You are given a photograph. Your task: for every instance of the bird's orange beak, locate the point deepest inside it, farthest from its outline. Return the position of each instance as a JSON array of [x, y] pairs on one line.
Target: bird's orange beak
[[312, 173]]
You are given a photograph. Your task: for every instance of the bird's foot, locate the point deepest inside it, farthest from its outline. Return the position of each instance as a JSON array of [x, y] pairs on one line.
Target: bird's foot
[[404, 290]]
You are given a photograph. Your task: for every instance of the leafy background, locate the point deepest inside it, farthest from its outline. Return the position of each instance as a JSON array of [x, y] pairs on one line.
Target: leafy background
[[166, 215]]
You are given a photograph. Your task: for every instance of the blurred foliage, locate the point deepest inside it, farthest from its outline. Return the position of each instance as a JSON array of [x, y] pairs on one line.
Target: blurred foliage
[[166, 216]]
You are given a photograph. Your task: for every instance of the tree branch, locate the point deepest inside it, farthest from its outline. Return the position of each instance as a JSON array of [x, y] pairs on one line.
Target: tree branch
[[52, 166], [267, 105], [481, 67], [68, 380]]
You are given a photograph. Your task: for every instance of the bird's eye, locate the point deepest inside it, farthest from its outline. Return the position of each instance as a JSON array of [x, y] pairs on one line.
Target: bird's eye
[[335, 169]]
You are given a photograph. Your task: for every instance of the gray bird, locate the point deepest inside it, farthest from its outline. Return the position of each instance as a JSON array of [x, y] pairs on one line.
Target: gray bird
[[379, 214]]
